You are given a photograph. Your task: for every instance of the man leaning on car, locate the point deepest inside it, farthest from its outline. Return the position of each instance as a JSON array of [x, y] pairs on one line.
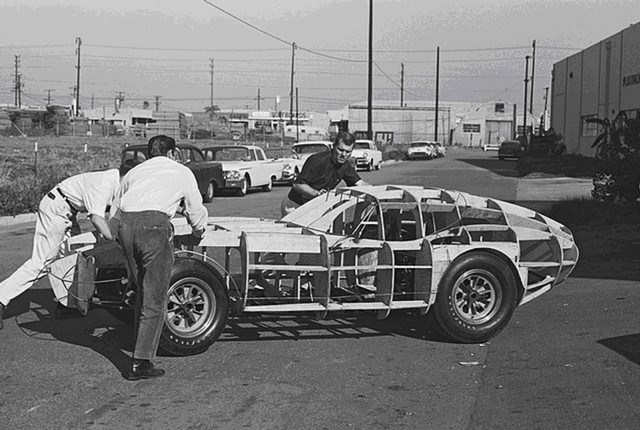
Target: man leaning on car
[[323, 172]]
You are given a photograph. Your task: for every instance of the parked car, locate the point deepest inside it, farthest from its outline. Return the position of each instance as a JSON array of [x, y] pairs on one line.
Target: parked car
[[208, 175], [366, 155], [440, 149], [421, 149], [299, 153], [510, 149], [469, 260], [244, 167]]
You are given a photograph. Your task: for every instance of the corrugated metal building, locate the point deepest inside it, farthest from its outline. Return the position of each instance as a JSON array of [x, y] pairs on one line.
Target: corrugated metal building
[[598, 82]]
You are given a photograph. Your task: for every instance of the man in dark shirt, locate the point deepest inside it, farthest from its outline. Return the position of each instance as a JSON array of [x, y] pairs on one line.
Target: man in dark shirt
[[323, 172]]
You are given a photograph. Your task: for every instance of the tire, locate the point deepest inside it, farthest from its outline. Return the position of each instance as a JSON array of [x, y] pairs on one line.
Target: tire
[[197, 309], [210, 194], [370, 166], [245, 187], [269, 186], [493, 299], [378, 165]]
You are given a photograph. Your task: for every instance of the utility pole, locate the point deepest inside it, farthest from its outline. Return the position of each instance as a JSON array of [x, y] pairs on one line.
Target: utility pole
[[370, 85], [211, 98], [525, 106], [157, 103], [79, 42], [48, 96], [258, 98], [544, 113], [17, 83], [293, 56], [297, 113], [435, 134], [92, 101], [533, 68], [401, 84]]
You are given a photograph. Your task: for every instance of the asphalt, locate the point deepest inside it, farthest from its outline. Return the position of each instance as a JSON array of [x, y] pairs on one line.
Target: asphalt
[[540, 190]]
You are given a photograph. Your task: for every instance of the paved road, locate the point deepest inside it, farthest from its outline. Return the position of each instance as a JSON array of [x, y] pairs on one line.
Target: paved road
[[570, 359]]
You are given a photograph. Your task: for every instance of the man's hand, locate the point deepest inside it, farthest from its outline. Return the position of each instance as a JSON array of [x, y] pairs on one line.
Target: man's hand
[[198, 233]]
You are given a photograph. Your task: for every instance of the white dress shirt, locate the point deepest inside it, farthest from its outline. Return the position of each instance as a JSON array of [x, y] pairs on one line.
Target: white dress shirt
[[160, 184], [91, 192]]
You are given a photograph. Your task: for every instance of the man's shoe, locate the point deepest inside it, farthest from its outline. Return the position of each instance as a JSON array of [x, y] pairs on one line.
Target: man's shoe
[[142, 369], [2, 316], [63, 312]]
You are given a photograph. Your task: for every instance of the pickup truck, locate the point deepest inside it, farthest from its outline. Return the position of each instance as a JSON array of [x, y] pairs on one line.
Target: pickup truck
[[366, 155], [208, 175], [245, 166]]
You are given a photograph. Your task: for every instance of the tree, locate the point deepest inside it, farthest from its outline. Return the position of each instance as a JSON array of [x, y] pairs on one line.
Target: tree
[[618, 154]]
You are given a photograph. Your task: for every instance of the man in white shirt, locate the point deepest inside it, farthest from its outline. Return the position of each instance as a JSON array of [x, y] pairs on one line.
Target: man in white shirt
[[88, 192], [148, 197]]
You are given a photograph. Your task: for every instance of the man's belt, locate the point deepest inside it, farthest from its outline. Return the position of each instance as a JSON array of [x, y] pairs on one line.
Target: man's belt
[[52, 196]]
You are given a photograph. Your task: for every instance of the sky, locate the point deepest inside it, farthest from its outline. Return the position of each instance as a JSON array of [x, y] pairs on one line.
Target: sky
[[161, 51]]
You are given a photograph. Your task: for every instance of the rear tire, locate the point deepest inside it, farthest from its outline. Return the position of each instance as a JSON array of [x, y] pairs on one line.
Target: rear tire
[[197, 309], [476, 298], [269, 186]]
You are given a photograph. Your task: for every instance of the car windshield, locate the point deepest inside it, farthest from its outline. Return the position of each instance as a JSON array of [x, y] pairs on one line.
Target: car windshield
[[417, 144], [232, 153], [361, 145], [309, 149], [510, 144]]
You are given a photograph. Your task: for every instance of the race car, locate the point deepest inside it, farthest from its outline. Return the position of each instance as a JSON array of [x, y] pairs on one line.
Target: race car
[[467, 260]]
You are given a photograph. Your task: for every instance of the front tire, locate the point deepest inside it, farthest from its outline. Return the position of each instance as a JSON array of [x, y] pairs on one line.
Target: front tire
[[476, 298], [197, 309], [245, 187], [269, 186]]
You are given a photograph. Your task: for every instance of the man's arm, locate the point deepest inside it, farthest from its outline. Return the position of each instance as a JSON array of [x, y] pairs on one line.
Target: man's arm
[[102, 226], [307, 191], [361, 183]]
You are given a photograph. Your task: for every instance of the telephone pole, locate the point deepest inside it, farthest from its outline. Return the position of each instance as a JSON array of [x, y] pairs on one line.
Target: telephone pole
[[533, 70], [79, 42], [293, 56], [370, 84], [544, 113], [258, 98], [211, 98], [437, 92], [17, 82], [401, 84], [157, 103], [48, 96], [525, 106]]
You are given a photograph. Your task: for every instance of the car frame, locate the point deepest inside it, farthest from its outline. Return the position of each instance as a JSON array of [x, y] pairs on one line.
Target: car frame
[[468, 260], [208, 174]]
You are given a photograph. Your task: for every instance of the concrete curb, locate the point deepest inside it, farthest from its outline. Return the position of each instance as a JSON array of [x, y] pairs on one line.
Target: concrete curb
[[18, 219]]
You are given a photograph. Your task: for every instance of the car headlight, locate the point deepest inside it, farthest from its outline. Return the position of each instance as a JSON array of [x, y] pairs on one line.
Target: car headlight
[[286, 167], [365, 155], [232, 175]]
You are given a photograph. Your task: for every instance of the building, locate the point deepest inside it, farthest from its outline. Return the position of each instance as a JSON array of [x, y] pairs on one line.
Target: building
[[599, 82], [459, 123]]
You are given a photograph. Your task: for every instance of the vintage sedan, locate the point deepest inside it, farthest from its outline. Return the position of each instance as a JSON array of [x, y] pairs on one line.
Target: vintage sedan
[[421, 149], [366, 155], [470, 261], [208, 175], [511, 149], [300, 151]]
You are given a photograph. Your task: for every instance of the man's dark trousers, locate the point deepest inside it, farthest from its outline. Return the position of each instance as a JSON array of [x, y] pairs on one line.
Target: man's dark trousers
[[145, 238]]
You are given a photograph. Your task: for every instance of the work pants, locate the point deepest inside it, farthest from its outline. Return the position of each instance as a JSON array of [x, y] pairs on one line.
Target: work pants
[[145, 239], [53, 224]]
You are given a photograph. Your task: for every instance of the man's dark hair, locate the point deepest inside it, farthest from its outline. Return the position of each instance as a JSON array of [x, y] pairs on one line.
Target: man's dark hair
[[345, 137], [160, 145]]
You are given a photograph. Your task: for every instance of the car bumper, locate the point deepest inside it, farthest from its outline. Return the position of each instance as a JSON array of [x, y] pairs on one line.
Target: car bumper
[[234, 183]]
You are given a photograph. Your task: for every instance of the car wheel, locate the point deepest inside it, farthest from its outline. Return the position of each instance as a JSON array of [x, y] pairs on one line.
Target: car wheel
[[378, 165], [269, 186], [245, 187], [197, 309], [210, 194], [476, 298]]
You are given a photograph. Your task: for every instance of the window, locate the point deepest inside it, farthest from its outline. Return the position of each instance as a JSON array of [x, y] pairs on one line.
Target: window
[[589, 128], [499, 108], [471, 128]]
